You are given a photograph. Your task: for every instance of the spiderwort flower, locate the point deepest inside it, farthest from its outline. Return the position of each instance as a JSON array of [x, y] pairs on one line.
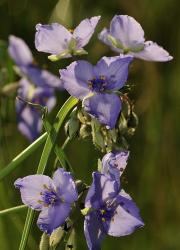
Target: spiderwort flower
[[22, 56], [62, 43], [108, 210], [53, 197], [28, 117], [95, 85], [114, 164], [36, 86], [126, 35]]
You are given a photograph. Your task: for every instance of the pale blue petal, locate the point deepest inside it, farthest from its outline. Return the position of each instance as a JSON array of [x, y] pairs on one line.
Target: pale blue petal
[[19, 51], [114, 164], [75, 78], [94, 231], [52, 217], [53, 38], [41, 77], [126, 218], [127, 30], [153, 52], [31, 187], [102, 189], [85, 30], [115, 69], [104, 107], [65, 185]]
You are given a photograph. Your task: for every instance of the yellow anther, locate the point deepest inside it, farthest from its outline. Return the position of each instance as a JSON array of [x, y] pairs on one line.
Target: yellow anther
[[102, 77], [103, 211], [103, 219]]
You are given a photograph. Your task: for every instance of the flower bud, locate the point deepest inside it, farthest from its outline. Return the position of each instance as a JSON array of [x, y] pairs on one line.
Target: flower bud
[[72, 125], [84, 131]]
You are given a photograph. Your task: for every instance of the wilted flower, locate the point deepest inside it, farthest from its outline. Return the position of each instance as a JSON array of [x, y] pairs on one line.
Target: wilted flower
[[108, 211], [36, 86], [126, 35], [53, 197], [63, 43], [114, 163], [96, 86]]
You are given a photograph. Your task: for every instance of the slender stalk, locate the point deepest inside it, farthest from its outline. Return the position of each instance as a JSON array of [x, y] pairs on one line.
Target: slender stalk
[[13, 209], [66, 142], [22, 156], [49, 145]]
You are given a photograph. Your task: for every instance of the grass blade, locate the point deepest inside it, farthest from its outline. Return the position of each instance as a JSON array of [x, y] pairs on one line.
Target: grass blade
[[22, 156]]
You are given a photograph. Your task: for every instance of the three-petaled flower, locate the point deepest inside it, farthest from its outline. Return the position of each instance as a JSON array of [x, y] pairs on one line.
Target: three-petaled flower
[[63, 43], [126, 35], [37, 86], [108, 210], [96, 86], [53, 197]]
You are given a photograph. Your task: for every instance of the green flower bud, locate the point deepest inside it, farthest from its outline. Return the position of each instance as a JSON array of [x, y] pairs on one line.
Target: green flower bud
[[97, 136], [44, 242], [85, 131], [72, 126], [56, 237], [122, 124], [71, 242]]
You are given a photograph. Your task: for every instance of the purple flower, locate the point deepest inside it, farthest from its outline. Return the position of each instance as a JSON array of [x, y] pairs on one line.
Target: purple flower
[[109, 211], [22, 56], [96, 86], [62, 43], [53, 197], [36, 86], [126, 35], [28, 117], [114, 164]]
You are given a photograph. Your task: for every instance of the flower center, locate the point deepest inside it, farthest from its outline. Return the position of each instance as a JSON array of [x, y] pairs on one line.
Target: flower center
[[49, 196], [105, 214], [98, 84]]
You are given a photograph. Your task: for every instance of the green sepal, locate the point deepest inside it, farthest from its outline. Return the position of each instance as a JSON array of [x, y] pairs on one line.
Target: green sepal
[[62, 55], [115, 42], [80, 52], [72, 44]]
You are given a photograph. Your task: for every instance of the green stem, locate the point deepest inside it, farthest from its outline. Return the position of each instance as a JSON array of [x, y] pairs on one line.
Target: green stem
[[22, 156], [66, 142], [49, 145], [12, 209]]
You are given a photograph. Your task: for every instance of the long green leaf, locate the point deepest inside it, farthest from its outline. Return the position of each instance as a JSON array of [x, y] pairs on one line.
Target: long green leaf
[[12, 209], [50, 142], [58, 151]]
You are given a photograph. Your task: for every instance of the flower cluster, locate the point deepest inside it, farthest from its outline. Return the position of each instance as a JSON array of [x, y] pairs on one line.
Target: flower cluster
[[36, 85], [108, 209]]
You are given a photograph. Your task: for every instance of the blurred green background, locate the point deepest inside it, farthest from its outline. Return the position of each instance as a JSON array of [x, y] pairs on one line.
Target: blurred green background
[[153, 171]]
